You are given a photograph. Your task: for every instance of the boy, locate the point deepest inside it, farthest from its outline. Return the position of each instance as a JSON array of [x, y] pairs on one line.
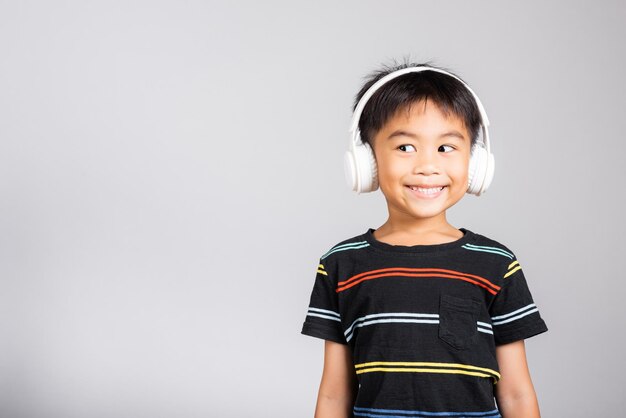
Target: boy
[[420, 318]]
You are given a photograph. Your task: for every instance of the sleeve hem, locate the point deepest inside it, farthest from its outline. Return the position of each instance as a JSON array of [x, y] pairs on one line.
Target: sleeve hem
[[521, 333], [325, 333]]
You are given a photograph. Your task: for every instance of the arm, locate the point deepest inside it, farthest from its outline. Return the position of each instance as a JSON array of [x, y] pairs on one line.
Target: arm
[[514, 391], [339, 384]]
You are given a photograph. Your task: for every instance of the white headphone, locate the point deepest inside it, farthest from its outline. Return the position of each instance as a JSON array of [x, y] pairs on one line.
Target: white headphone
[[360, 164]]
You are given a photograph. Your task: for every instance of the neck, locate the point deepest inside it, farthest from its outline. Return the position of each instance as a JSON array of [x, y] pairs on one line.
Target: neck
[[401, 223], [402, 229]]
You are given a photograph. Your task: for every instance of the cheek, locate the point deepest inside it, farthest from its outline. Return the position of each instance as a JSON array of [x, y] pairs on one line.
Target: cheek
[[390, 171], [461, 173]]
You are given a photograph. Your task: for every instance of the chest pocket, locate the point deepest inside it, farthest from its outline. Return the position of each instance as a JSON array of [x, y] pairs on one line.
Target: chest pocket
[[457, 321]]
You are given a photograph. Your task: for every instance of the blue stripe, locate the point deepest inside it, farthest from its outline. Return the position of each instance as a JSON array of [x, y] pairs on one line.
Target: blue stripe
[[485, 330], [363, 414], [354, 246], [493, 250], [523, 308], [484, 324], [397, 317], [325, 311], [390, 314], [388, 413], [488, 247], [348, 244], [323, 316], [388, 321], [515, 318]]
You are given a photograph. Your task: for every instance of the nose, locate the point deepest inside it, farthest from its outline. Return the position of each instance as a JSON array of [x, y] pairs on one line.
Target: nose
[[426, 161]]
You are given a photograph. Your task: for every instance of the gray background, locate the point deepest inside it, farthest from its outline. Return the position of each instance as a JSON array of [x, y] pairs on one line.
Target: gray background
[[170, 173]]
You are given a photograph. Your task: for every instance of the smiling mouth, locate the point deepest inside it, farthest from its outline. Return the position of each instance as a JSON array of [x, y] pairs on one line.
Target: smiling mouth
[[427, 190]]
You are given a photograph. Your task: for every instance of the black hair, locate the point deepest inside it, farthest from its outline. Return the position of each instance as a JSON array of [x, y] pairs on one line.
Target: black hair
[[448, 93]]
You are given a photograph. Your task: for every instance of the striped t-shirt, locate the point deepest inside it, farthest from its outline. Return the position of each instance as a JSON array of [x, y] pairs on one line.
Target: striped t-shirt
[[422, 321]]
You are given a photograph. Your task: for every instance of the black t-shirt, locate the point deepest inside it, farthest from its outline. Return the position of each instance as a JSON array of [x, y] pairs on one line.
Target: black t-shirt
[[422, 321]]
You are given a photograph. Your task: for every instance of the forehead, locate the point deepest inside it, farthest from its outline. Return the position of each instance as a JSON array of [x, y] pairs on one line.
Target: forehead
[[425, 117]]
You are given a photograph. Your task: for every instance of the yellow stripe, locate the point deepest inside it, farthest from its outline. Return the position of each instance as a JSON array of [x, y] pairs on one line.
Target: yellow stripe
[[449, 371], [511, 272], [424, 363], [322, 272], [512, 264], [321, 266]]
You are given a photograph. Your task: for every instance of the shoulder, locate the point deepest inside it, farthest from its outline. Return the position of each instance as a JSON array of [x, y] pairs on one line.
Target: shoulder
[[345, 247], [491, 247], [498, 259]]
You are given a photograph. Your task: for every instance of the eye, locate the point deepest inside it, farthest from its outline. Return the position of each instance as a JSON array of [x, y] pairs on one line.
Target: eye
[[405, 146], [450, 146]]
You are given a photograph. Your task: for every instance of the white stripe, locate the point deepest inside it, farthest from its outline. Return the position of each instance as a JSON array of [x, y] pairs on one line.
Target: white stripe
[[325, 311], [486, 331], [325, 316], [512, 313], [484, 324], [516, 317], [492, 248]]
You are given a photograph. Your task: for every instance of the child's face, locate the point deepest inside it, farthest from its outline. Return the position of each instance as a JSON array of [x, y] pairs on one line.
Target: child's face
[[421, 147]]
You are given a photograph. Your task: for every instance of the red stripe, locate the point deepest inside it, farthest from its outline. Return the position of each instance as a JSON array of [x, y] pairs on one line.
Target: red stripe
[[412, 272]]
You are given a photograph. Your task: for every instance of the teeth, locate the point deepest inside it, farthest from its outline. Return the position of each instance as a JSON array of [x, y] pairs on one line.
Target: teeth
[[427, 191]]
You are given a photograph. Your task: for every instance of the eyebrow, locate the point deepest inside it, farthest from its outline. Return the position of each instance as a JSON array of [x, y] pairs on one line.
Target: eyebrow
[[452, 133]]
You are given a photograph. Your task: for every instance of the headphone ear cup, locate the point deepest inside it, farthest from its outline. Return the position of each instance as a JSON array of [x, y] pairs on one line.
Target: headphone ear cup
[[349, 169], [481, 169], [360, 168], [372, 171]]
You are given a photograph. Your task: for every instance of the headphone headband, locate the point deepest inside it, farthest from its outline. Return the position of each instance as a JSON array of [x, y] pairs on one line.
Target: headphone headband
[[356, 117]]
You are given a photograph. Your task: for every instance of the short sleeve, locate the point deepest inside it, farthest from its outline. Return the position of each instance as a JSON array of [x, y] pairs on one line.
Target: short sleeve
[[323, 319], [514, 314]]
